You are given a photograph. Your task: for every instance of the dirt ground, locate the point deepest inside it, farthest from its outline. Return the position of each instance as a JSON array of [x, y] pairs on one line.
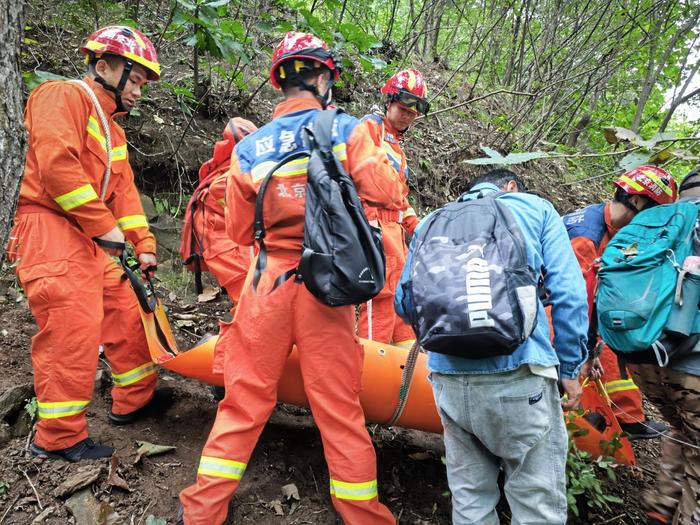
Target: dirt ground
[[411, 475]]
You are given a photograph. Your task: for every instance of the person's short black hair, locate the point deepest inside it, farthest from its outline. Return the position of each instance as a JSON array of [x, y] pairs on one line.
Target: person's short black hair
[[691, 180], [112, 60], [499, 177]]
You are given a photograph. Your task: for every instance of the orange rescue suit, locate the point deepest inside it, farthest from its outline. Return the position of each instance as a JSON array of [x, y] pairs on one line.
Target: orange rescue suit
[[268, 323], [75, 291], [394, 219], [207, 225], [617, 380]]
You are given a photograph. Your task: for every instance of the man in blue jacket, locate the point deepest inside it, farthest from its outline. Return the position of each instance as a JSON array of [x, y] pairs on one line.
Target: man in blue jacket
[[505, 412]]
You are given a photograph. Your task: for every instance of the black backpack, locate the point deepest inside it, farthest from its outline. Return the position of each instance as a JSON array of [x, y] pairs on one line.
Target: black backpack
[[471, 292], [342, 260]]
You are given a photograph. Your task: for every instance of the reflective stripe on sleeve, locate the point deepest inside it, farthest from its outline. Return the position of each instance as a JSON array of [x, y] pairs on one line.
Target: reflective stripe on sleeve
[[77, 197], [290, 169], [59, 409], [119, 153], [130, 222], [221, 468], [341, 151], [354, 491], [620, 385], [134, 375]]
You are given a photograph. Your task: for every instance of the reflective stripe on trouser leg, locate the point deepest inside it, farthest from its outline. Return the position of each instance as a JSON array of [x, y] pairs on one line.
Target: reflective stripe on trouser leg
[[332, 382], [135, 374], [220, 468], [58, 409], [354, 491], [255, 348], [624, 394], [125, 344]]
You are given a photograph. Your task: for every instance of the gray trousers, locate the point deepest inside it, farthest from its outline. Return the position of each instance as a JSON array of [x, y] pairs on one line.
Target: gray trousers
[[511, 420]]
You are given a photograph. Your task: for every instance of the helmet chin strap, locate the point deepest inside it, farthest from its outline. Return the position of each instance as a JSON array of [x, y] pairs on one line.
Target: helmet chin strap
[[128, 65], [324, 99]]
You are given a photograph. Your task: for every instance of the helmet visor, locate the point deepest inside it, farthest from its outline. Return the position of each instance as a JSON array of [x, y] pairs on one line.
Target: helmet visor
[[411, 101]]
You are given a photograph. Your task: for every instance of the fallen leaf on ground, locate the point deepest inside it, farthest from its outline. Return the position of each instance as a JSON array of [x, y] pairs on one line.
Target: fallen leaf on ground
[[208, 295], [82, 478], [276, 505], [290, 492], [150, 449], [152, 520], [115, 479]]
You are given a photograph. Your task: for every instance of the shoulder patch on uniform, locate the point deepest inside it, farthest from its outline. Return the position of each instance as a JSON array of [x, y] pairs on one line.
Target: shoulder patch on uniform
[[588, 222]]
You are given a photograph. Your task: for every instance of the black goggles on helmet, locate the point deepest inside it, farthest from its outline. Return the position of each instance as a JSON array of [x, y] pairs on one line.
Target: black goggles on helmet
[[408, 99]]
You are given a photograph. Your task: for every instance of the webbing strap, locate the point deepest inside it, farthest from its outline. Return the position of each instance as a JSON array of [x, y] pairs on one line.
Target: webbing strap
[[406, 381]]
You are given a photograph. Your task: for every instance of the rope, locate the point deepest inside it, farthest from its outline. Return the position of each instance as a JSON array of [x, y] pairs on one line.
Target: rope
[[105, 129], [406, 380], [666, 436]]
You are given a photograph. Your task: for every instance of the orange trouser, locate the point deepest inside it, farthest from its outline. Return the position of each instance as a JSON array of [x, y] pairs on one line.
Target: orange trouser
[[79, 300], [387, 327], [624, 394], [256, 347]]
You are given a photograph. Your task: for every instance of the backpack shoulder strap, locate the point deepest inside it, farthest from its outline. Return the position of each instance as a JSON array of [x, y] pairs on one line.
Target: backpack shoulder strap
[[323, 129], [105, 129], [259, 224]]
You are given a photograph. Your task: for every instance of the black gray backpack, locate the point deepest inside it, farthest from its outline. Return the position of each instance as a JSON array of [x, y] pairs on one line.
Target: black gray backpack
[[471, 292], [342, 260]]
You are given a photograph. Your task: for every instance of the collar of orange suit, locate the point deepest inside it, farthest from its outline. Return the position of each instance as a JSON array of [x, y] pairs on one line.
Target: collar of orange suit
[[106, 100], [291, 105], [608, 221]]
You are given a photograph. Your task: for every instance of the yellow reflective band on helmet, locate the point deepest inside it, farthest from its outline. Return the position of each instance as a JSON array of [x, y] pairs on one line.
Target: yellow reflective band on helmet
[[340, 151], [77, 197], [153, 66], [93, 45], [60, 409], [354, 491], [619, 385], [134, 375], [632, 183], [131, 222], [660, 183], [220, 468]]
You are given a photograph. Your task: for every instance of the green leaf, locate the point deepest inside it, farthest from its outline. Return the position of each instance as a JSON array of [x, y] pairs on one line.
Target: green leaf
[[37, 77], [615, 135], [217, 3], [150, 449], [634, 159]]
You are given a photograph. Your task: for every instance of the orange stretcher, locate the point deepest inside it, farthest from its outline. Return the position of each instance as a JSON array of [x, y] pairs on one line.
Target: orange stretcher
[[595, 427]]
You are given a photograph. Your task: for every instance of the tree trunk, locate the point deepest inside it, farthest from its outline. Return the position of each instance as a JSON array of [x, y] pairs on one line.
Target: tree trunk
[[13, 139]]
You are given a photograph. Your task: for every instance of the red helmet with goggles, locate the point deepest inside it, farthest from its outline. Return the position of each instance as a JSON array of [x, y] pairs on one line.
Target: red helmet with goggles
[[298, 52], [408, 88]]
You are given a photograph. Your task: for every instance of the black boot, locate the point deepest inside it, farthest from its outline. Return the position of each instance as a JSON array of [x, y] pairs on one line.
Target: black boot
[[161, 400], [85, 449]]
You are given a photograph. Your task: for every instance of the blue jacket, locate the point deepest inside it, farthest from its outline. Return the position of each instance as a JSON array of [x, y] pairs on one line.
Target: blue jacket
[[548, 247]]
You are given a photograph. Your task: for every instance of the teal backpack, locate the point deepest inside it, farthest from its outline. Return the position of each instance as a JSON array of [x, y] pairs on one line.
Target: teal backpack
[[639, 285]]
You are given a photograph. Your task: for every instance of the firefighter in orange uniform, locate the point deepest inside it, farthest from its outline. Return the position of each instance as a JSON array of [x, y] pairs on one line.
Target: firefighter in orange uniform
[[590, 229], [205, 246], [406, 94], [68, 203], [270, 320]]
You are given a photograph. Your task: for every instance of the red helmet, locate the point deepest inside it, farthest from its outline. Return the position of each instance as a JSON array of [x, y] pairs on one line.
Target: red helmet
[[125, 42], [237, 128], [408, 88], [650, 181], [305, 47]]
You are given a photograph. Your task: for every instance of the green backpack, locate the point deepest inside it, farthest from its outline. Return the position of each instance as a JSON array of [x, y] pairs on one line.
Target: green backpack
[[638, 284]]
